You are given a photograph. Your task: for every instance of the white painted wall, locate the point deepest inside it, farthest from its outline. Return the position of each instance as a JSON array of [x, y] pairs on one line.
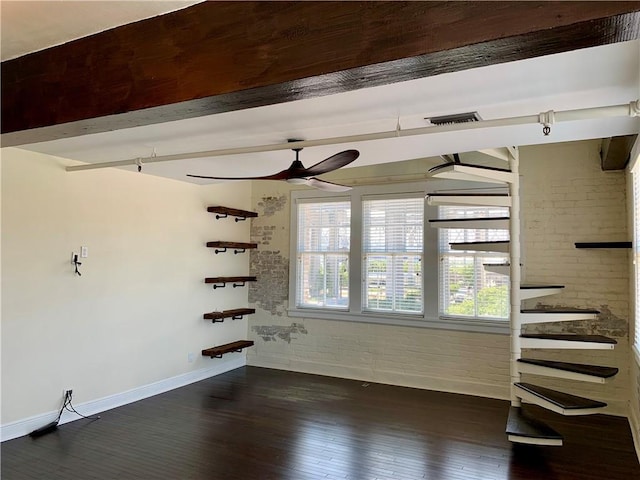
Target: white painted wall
[[566, 199], [136, 313]]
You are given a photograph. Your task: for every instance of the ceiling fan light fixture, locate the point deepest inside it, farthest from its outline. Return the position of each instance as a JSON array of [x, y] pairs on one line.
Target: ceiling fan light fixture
[[297, 181]]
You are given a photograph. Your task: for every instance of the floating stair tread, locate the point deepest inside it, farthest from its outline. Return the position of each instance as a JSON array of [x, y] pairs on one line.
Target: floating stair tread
[[467, 195], [593, 370], [603, 244], [446, 166], [486, 242], [229, 347], [570, 337], [234, 212], [486, 199], [229, 279], [499, 246], [563, 400], [462, 220], [522, 425], [220, 244], [229, 313], [559, 311], [534, 287], [486, 223]]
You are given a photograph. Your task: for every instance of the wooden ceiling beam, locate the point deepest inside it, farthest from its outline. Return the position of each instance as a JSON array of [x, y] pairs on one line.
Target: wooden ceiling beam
[[222, 56]]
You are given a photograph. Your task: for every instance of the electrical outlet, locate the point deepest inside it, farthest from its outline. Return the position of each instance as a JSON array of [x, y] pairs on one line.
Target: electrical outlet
[[74, 257], [84, 252], [67, 390], [191, 357]]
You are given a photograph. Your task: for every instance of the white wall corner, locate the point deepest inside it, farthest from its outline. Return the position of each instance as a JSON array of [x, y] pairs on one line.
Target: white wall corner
[[25, 426]]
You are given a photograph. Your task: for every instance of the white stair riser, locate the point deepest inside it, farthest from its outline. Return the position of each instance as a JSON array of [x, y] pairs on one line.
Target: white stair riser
[[531, 398], [499, 269], [549, 442], [468, 173], [481, 223], [555, 373], [486, 247], [488, 201], [499, 153], [526, 293], [563, 344], [529, 318]]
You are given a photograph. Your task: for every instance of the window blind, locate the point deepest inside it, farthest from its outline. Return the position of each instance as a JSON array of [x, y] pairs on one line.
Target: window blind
[[466, 288], [392, 247], [323, 254]]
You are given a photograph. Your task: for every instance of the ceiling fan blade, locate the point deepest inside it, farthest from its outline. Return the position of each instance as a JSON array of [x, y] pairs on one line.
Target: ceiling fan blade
[[324, 185], [283, 175], [334, 162]]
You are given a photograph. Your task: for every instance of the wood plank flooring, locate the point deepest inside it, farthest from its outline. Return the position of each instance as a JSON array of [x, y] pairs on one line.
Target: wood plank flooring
[[257, 423]]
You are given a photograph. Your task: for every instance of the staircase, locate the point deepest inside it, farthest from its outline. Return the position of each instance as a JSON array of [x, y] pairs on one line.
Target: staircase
[[521, 426]]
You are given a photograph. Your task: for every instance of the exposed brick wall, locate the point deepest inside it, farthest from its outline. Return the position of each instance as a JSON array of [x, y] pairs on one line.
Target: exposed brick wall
[[565, 199]]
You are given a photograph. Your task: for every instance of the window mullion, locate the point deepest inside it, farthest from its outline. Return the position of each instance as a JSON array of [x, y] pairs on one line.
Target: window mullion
[[356, 261]]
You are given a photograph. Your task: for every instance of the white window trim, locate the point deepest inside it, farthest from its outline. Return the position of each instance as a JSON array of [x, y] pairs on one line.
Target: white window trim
[[430, 318]]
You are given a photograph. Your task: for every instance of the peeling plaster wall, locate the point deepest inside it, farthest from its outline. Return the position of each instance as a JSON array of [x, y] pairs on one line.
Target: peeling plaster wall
[[434, 359], [566, 199]]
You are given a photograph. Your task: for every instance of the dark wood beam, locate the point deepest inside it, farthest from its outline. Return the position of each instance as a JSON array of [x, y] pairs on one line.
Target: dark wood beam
[[222, 56], [616, 151]]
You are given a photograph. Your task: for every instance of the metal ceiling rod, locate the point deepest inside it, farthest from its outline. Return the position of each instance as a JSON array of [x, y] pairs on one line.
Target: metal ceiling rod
[[632, 109]]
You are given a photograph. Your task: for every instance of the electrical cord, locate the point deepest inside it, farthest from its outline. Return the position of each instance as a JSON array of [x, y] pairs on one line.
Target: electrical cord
[[68, 406]]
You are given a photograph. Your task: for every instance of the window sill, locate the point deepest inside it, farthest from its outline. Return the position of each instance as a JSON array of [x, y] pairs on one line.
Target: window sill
[[419, 321]]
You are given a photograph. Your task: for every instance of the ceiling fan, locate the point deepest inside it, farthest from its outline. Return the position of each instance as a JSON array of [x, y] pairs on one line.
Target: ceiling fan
[[298, 174]]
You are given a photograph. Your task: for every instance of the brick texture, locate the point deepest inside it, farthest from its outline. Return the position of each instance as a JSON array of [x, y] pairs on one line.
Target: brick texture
[[566, 198]]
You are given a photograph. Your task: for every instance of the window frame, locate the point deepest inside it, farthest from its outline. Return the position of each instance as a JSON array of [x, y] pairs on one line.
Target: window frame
[[634, 332], [356, 312]]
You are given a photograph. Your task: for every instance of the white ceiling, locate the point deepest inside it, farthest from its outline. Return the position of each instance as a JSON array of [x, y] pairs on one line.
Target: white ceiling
[[601, 76], [29, 26]]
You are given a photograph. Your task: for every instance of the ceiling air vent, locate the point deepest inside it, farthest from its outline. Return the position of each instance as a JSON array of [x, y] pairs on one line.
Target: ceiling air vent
[[455, 118]]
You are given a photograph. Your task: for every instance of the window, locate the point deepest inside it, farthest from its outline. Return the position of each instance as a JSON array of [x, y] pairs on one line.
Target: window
[[466, 288], [635, 178], [323, 254], [393, 251], [369, 255]]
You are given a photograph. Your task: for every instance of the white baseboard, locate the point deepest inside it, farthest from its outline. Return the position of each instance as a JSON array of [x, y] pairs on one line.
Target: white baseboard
[[92, 407], [390, 378], [634, 424]]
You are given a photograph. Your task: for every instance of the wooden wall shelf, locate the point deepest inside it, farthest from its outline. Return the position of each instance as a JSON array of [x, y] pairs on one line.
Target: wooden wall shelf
[[217, 352], [220, 282], [235, 314], [603, 244], [224, 212], [239, 247]]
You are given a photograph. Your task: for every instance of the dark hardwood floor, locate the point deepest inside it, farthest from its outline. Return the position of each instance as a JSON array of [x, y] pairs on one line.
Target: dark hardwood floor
[[256, 423]]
